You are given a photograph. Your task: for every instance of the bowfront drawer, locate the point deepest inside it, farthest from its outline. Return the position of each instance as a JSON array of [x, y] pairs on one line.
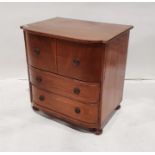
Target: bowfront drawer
[[82, 91], [67, 107], [41, 52], [79, 61]]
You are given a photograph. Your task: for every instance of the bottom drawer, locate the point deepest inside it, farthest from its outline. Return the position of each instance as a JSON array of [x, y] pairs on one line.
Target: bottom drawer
[[71, 108]]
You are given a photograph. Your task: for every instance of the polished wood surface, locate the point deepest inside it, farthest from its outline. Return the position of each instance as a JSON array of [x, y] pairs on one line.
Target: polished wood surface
[[77, 30], [88, 92], [41, 52], [78, 61], [113, 73], [74, 109], [64, 119], [76, 69]]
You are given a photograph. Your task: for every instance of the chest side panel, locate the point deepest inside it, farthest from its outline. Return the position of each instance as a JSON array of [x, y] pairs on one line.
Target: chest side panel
[[113, 75]]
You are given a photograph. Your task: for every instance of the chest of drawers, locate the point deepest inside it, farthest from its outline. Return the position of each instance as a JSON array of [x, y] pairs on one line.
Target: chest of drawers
[[76, 69]]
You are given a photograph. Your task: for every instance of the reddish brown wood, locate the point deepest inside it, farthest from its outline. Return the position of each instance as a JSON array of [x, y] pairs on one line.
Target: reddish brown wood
[[78, 75], [67, 107], [77, 30], [78, 61], [66, 118], [113, 75], [30, 86], [45, 57], [88, 92]]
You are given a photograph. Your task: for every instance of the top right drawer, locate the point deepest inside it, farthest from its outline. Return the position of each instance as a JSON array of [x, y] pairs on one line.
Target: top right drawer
[[80, 61]]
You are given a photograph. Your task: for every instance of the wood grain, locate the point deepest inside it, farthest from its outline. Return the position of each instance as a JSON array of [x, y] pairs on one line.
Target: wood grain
[[65, 106], [89, 92], [113, 75], [89, 57], [46, 56], [77, 30], [76, 69]]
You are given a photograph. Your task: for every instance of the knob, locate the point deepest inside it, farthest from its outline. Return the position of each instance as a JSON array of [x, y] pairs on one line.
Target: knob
[[76, 91], [37, 51], [77, 110], [76, 62], [41, 98], [38, 79]]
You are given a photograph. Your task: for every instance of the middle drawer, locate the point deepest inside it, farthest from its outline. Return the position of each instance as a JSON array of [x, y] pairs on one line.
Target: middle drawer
[[82, 91]]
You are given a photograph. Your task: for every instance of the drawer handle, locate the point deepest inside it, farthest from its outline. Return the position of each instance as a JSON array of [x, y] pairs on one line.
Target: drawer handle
[[76, 91], [77, 110], [38, 79], [76, 62], [41, 98], [37, 51]]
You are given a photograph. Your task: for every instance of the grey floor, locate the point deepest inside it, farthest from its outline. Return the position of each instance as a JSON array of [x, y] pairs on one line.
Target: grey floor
[[131, 129]]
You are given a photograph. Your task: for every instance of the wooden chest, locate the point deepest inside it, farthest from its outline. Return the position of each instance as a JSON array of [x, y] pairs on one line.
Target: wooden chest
[[76, 69]]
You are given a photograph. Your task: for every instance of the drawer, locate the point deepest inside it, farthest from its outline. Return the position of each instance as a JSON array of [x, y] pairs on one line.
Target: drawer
[[67, 107], [41, 52], [82, 91], [79, 61]]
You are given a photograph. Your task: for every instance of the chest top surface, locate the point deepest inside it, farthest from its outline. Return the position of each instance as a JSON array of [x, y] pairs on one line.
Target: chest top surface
[[78, 30]]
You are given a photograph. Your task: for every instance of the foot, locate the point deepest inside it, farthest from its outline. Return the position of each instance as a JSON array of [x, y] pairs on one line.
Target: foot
[[35, 108], [118, 107], [96, 131]]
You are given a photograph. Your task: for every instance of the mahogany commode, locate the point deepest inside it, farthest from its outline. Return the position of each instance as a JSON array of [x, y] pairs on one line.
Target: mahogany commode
[[76, 69]]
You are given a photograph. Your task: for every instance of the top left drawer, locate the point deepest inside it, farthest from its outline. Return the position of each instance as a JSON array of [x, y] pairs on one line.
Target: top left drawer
[[41, 52]]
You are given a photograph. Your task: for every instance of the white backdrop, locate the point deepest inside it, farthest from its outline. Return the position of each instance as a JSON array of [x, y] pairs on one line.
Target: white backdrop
[[141, 56]]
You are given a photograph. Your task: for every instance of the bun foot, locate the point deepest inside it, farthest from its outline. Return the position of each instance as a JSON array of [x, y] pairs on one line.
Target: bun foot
[[96, 131], [118, 107], [35, 108]]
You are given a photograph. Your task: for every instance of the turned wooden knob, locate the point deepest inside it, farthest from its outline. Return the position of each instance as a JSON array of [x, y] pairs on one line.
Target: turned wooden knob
[[76, 62], [38, 79], [41, 98], [36, 51], [76, 91], [77, 110]]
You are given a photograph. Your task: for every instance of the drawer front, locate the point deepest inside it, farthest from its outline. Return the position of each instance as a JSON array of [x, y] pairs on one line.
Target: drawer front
[[82, 91], [79, 61], [41, 52], [74, 109]]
